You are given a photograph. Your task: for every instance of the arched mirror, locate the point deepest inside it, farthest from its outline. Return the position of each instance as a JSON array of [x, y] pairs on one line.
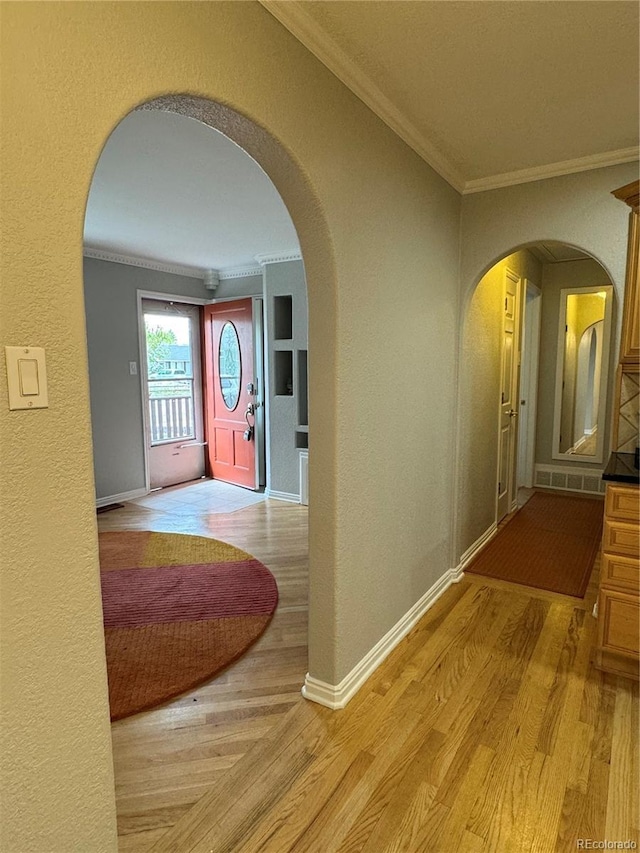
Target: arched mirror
[[584, 335]]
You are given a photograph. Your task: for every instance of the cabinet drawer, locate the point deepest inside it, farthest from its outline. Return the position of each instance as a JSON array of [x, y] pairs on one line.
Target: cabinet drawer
[[618, 622], [620, 572], [621, 538], [622, 503]]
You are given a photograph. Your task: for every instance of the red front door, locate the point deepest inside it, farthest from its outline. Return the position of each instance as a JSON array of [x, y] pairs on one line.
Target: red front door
[[229, 392]]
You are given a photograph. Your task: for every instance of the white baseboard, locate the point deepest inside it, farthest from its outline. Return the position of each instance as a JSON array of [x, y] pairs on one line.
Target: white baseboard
[[282, 496], [472, 552], [336, 696], [117, 499]]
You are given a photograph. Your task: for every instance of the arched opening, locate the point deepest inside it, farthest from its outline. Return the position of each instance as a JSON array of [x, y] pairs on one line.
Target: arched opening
[[511, 386], [279, 286]]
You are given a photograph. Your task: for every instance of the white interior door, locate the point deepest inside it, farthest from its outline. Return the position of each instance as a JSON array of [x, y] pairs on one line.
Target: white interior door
[[508, 395], [173, 392], [528, 393]]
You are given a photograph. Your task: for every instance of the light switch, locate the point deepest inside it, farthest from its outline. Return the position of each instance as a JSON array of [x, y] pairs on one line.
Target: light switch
[[26, 378], [28, 373]]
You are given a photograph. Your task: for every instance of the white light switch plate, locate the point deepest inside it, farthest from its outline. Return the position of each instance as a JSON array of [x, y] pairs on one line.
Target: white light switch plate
[[26, 378]]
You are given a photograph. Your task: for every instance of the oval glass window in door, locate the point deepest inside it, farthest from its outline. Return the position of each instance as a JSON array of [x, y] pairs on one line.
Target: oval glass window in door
[[229, 366]]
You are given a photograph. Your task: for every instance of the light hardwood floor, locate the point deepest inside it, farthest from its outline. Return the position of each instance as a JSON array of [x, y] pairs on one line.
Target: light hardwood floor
[[487, 729], [166, 759]]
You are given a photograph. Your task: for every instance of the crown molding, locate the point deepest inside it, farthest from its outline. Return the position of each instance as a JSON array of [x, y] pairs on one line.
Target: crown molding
[[191, 272], [239, 272], [629, 194], [278, 258], [552, 170], [146, 263], [292, 15]]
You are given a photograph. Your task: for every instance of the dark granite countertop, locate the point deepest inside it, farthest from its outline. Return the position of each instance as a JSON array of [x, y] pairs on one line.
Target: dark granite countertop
[[621, 468]]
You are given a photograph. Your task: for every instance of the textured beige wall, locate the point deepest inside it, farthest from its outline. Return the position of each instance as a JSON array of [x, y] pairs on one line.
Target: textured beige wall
[[575, 209], [480, 397], [379, 233]]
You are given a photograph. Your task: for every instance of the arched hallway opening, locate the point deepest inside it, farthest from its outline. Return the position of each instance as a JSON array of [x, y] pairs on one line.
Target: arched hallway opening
[[512, 401], [221, 720]]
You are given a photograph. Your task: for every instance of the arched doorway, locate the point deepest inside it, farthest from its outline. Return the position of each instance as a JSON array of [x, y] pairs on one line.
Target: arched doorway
[[271, 157], [493, 374]]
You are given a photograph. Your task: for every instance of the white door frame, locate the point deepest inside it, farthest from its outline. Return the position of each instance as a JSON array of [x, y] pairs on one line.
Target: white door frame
[[142, 372], [530, 362], [510, 494], [262, 397]]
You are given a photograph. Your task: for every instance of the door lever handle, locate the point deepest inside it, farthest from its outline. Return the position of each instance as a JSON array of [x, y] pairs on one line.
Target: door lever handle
[[512, 413]]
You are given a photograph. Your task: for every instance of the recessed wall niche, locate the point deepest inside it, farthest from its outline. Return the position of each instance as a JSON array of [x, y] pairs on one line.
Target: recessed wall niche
[[285, 298], [283, 373], [282, 318], [303, 395]]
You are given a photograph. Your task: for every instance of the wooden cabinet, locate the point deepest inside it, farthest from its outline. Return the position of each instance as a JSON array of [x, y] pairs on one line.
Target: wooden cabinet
[[620, 572], [630, 341], [619, 597], [622, 502], [621, 538]]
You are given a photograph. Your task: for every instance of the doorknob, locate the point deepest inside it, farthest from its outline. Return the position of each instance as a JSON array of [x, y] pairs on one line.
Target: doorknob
[[512, 413], [248, 433]]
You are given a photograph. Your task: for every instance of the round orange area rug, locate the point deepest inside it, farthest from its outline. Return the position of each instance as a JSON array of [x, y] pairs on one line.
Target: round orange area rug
[[177, 610]]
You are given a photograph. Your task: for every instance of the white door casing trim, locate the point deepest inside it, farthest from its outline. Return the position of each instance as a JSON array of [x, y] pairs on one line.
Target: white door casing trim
[[142, 361], [510, 486], [532, 314]]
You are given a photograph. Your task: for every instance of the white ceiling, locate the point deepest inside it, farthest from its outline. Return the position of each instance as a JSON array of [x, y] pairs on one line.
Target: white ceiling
[[489, 93], [551, 252], [170, 189]]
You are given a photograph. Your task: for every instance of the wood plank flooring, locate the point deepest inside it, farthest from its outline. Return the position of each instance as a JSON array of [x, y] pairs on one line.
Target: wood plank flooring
[[166, 759], [487, 729]]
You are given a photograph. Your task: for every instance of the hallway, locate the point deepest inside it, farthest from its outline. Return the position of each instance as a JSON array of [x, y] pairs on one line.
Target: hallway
[[487, 729]]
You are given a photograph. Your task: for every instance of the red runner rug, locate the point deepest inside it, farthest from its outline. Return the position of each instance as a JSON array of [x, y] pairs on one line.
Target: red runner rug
[[551, 543], [177, 609]]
